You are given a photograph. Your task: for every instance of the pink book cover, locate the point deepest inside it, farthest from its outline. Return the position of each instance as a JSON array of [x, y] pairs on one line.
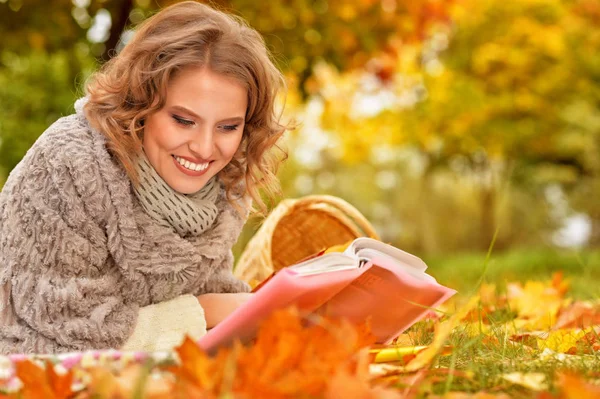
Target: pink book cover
[[392, 297], [287, 287]]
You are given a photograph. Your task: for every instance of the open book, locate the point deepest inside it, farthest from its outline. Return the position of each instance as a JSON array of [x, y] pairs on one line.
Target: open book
[[369, 279]]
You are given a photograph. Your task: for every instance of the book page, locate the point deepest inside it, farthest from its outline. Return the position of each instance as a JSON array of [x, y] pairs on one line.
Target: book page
[[370, 253], [358, 247], [330, 262]]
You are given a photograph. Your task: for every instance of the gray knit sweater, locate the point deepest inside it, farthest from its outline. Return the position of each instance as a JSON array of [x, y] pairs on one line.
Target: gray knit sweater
[[79, 256]]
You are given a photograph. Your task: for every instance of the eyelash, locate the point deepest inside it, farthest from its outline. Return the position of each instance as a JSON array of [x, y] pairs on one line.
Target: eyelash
[[182, 121], [187, 123]]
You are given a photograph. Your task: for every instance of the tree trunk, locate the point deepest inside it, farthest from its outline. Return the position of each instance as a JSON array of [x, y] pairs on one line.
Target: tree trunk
[[428, 240], [487, 225], [594, 241], [120, 17]]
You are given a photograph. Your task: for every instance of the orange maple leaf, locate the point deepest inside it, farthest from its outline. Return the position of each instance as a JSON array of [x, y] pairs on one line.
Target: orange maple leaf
[[289, 359], [578, 315], [354, 383], [286, 360], [43, 383], [196, 366], [575, 387]]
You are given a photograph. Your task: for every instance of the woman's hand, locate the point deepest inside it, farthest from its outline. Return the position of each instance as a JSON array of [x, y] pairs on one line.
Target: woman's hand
[[218, 306]]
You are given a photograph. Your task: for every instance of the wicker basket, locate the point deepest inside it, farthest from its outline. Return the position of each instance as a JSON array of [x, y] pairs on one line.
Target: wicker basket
[[298, 228]]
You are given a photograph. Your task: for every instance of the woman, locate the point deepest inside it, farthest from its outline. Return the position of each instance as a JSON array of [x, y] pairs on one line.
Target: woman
[[116, 228]]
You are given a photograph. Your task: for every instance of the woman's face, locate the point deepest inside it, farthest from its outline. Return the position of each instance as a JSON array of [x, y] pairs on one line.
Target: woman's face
[[199, 129]]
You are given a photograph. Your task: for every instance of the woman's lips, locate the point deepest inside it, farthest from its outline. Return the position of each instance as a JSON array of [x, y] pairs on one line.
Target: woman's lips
[[194, 173]]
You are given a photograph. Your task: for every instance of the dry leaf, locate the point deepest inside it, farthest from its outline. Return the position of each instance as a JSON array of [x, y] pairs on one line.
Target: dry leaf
[[562, 341], [41, 382], [559, 283], [289, 359], [354, 384], [396, 353], [442, 332], [579, 315], [575, 387], [537, 304], [534, 381], [33, 378], [60, 383], [196, 366]]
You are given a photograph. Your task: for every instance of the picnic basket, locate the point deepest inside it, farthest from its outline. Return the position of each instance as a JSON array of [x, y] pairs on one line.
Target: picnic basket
[[298, 228]]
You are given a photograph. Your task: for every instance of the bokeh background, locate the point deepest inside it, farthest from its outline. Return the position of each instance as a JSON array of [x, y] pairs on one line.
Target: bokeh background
[[445, 122]]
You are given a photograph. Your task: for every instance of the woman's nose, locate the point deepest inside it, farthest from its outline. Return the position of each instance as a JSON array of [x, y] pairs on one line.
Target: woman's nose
[[202, 145]]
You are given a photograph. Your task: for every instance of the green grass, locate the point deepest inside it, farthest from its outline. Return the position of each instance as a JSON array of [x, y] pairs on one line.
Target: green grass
[[463, 271], [486, 357]]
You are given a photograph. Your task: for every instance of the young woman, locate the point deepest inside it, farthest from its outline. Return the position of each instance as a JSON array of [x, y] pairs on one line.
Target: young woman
[[116, 228]]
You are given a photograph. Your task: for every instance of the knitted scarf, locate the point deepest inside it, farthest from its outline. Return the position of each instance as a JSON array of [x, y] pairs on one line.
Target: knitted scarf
[[187, 214]]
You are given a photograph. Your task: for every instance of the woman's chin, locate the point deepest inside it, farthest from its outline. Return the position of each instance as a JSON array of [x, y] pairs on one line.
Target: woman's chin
[[186, 187]]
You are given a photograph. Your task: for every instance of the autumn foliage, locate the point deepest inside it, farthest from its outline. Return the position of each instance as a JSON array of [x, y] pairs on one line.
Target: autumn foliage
[[548, 342]]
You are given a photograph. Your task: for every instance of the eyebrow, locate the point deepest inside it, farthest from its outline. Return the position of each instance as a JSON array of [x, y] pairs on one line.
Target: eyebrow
[[235, 119]]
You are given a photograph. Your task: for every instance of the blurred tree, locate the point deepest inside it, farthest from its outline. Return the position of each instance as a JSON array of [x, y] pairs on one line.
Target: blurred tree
[[583, 114], [45, 56], [301, 32], [37, 89], [503, 100], [425, 106], [346, 33]]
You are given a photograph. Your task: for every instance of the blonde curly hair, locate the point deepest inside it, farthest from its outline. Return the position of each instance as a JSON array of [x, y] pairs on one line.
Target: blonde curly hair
[[132, 86]]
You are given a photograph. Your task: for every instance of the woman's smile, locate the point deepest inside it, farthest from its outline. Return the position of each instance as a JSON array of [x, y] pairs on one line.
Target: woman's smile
[[191, 168]]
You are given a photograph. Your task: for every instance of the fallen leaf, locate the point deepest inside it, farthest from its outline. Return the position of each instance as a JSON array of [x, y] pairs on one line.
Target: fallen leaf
[[537, 304], [354, 384], [60, 383], [396, 353], [534, 381], [580, 314], [196, 366], [562, 341], [559, 283], [575, 387], [43, 382], [442, 332], [290, 359]]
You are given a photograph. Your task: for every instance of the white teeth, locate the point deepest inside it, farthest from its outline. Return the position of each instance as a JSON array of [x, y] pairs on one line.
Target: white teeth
[[190, 165]]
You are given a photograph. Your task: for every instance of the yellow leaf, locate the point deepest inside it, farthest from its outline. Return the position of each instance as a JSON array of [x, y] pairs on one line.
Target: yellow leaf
[[396, 353], [537, 304], [442, 332], [533, 381], [562, 341]]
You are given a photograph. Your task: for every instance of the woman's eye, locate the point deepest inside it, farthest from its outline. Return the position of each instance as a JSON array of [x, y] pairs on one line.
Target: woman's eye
[[182, 121], [230, 128]]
